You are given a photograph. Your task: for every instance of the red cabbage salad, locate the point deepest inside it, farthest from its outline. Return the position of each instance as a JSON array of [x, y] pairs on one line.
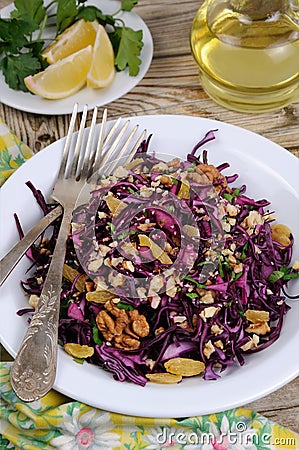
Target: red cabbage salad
[[171, 271]]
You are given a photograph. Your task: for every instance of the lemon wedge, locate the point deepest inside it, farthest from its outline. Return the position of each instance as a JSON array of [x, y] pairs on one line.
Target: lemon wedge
[[63, 78], [102, 70], [77, 36], [78, 351]]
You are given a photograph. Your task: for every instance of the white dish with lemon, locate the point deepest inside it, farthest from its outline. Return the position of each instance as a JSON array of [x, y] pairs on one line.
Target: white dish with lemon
[[92, 83], [82, 55]]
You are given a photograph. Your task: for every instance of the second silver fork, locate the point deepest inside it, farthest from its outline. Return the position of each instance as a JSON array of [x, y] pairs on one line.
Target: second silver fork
[[34, 369]]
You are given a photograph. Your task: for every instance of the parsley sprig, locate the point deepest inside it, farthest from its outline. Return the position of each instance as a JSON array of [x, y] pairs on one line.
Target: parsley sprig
[[232, 196], [22, 41], [284, 273]]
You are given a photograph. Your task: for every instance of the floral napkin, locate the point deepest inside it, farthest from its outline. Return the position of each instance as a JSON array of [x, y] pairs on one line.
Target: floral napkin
[[13, 152], [57, 422]]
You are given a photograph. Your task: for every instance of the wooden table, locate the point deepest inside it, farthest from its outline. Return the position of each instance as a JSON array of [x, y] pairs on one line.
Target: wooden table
[[172, 86]]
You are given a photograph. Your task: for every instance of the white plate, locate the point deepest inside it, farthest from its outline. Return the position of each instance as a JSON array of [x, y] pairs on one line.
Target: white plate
[[270, 172], [122, 83]]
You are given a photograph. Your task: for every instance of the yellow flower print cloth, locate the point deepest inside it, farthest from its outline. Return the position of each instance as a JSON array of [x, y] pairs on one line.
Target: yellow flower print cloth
[[56, 422], [13, 152]]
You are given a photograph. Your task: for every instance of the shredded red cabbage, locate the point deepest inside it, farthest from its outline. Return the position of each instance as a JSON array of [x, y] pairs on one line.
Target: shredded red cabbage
[[223, 300]]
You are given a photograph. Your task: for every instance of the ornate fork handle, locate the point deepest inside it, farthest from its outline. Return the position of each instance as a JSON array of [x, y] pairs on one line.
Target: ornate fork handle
[[10, 260], [34, 369]]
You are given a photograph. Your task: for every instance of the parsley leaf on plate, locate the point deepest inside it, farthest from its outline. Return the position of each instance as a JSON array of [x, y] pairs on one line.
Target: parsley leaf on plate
[[66, 13], [128, 5], [129, 48], [16, 67], [91, 13], [34, 9], [15, 33]]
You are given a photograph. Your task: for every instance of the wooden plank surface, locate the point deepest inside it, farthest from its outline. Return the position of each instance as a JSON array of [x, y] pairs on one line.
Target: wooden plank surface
[[172, 86]]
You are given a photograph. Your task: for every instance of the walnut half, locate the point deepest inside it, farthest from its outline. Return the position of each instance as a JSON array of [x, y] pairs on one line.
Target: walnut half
[[121, 327]]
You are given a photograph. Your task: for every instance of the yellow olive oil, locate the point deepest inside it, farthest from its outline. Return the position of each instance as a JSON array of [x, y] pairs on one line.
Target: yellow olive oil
[[246, 64]]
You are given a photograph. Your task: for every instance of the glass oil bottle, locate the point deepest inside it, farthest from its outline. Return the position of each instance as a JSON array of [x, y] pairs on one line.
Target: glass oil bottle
[[247, 52]]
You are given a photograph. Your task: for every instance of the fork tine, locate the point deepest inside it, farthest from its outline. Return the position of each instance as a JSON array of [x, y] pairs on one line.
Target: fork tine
[[87, 156], [111, 132], [98, 153], [110, 151], [122, 151], [132, 134], [135, 148], [68, 142], [98, 166], [75, 159], [106, 141]]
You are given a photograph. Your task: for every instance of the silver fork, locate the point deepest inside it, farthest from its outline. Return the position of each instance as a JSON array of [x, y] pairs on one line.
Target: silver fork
[[11, 259], [34, 369]]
